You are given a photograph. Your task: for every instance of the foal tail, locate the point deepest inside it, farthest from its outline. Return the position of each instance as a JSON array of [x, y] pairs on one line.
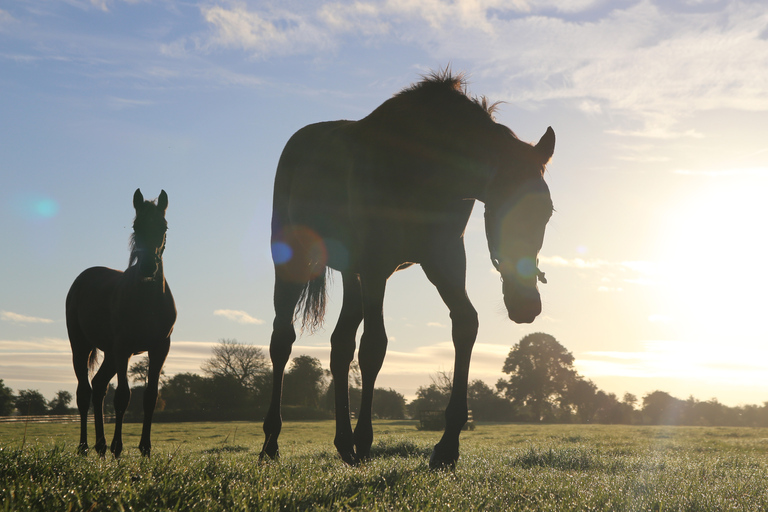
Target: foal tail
[[312, 301]]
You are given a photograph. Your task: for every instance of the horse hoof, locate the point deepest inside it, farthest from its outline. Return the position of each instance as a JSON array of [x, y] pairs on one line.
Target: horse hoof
[[82, 450], [442, 461], [267, 454], [349, 458], [145, 450]]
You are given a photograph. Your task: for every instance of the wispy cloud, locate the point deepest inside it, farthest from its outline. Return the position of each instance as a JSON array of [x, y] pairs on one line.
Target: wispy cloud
[[5, 17], [645, 59], [8, 316], [240, 317], [265, 32], [435, 324]]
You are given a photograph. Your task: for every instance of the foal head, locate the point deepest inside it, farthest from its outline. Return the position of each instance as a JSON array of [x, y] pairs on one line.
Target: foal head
[[148, 239], [517, 209]]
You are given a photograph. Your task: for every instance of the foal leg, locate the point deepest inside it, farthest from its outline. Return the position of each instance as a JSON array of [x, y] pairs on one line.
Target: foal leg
[[342, 353], [122, 398], [448, 275], [156, 360], [100, 383], [283, 335], [373, 347]]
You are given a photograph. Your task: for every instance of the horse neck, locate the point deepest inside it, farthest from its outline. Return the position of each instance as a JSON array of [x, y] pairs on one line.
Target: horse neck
[[153, 287]]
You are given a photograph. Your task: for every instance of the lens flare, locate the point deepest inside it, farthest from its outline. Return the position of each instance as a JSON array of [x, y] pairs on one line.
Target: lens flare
[[526, 268], [281, 253], [299, 253], [36, 207]]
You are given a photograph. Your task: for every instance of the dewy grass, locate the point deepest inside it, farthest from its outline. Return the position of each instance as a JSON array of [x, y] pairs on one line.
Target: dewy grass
[[197, 466]]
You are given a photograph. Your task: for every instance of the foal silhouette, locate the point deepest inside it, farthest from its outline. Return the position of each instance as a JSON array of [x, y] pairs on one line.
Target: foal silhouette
[[371, 197], [122, 314]]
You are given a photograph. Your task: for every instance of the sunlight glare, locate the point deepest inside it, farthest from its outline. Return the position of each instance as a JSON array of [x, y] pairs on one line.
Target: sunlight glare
[[713, 261]]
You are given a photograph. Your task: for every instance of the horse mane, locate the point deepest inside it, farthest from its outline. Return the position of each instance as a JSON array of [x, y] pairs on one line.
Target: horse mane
[[436, 83], [134, 257]]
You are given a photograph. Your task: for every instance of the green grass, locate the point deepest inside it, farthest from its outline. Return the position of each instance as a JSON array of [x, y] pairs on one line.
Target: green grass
[[214, 466]]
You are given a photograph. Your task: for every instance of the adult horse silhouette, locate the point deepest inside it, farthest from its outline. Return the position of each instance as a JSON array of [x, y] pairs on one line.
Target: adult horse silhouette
[[122, 314], [371, 197]]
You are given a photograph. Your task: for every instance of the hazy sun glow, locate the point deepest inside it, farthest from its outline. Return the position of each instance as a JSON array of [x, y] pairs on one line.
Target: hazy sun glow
[[713, 264]]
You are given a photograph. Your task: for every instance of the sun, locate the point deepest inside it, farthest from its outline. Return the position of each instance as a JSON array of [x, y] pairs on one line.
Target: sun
[[714, 256]]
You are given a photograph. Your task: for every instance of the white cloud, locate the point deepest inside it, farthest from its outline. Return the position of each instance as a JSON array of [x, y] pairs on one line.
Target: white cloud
[[17, 318], [435, 324], [240, 317]]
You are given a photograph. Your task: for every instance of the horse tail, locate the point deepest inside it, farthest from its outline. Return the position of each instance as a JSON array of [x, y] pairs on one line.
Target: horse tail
[[312, 302]]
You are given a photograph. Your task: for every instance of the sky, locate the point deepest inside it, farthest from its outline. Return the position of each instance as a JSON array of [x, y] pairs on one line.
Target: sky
[[655, 256]]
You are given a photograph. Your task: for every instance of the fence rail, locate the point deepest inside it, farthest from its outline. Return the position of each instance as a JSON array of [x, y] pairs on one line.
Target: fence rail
[[52, 418]]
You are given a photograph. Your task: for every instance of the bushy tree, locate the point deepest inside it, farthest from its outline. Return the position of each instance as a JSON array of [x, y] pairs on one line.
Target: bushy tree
[[540, 373], [388, 404], [428, 398], [7, 400], [486, 404], [304, 382], [60, 403], [31, 402], [661, 408], [184, 392]]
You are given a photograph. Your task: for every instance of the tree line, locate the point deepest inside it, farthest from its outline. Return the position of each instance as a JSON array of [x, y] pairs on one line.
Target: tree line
[[542, 386]]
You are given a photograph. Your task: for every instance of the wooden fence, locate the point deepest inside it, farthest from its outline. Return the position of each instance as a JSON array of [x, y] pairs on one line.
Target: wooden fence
[[52, 418]]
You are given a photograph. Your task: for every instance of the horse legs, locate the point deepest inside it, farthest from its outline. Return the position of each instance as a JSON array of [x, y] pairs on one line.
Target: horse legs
[[373, 347], [100, 383], [448, 275], [80, 363], [122, 398], [342, 353], [156, 360], [283, 335]]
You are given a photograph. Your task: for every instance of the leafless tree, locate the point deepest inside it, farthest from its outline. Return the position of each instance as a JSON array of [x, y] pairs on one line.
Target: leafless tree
[[246, 363]]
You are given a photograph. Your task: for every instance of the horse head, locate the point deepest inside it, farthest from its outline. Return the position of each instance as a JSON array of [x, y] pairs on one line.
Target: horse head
[[517, 208], [148, 239]]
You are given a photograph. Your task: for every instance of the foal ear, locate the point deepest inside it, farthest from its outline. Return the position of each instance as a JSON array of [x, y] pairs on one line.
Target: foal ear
[[162, 201], [138, 199], [546, 145]]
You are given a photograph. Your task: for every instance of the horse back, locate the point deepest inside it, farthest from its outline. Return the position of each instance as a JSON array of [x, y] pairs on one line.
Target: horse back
[[88, 307]]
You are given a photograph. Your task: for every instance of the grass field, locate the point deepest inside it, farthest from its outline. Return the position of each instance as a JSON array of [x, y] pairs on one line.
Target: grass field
[[214, 466]]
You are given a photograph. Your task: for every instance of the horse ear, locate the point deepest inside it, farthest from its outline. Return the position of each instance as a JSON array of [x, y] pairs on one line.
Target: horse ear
[[546, 145], [138, 199], [162, 201]]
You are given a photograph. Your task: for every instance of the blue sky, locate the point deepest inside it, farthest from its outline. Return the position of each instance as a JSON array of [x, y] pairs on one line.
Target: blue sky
[[655, 256]]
